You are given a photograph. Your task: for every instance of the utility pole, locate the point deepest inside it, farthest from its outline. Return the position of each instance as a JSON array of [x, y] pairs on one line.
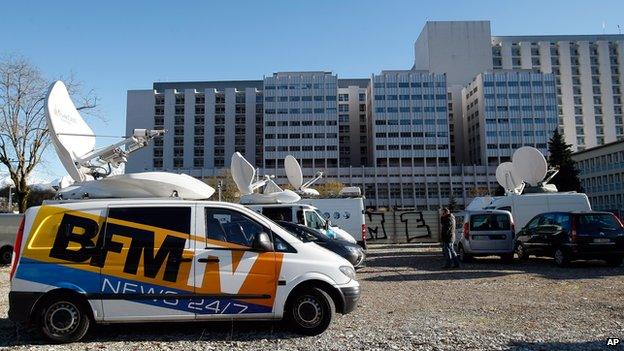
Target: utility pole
[[219, 185]]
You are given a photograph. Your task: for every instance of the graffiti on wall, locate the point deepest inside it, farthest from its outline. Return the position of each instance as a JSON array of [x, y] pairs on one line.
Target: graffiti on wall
[[375, 232], [416, 216]]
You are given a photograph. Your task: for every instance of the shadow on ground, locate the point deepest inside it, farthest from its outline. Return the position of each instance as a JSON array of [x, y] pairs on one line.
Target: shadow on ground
[[11, 335], [426, 264], [562, 346]]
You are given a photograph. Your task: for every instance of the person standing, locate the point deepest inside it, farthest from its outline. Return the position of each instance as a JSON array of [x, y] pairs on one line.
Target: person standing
[[447, 226]]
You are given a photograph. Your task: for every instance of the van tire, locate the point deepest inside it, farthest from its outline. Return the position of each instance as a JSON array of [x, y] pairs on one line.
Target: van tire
[[6, 253], [463, 256], [310, 311], [70, 325]]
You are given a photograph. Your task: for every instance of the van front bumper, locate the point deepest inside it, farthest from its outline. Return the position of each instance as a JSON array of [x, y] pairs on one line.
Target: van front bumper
[[21, 305], [350, 296]]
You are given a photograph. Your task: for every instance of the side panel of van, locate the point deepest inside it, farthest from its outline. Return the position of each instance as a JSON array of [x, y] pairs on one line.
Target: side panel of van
[[347, 213]]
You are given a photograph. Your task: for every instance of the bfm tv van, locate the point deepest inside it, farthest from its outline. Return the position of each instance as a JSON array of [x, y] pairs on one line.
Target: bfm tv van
[[135, 260]]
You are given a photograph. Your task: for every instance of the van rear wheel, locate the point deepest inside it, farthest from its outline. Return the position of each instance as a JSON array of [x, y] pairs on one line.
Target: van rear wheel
[[311, 311], [561, 258], [6, 253], [63, 320]]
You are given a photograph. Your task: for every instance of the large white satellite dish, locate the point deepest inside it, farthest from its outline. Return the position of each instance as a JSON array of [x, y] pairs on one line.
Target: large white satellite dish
[[295, 177], [244, 174], [530, 165], [508, 178], [90, 168], [70, 134]]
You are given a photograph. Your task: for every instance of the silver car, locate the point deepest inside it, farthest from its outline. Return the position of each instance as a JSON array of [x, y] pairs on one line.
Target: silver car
[[486, 233]]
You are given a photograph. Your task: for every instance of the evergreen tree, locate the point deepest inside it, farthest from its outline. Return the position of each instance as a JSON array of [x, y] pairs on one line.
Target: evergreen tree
[[561, 158]]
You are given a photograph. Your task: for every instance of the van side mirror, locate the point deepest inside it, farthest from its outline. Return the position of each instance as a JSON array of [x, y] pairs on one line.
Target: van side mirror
[[262, 242]]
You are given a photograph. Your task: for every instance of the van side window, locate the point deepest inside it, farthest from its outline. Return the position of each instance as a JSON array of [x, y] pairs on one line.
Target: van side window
[[563, 220], [177, 219], [278, 213], [231, 226], [313, 220]]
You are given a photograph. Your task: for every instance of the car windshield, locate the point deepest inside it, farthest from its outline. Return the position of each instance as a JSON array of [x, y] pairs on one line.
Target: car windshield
[[596, 222], [479, 222], [299, 231]]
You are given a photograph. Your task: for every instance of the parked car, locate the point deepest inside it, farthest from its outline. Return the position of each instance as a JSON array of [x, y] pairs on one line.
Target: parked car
[[349, 251], [149, 260], [9, 224], [568, 236], [486, 233]]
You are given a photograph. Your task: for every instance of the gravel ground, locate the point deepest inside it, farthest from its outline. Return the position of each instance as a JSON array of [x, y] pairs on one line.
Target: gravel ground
[[409, 303]]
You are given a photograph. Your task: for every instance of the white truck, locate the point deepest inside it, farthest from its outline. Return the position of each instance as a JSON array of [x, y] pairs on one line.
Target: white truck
[[346, 213], [526, 206]]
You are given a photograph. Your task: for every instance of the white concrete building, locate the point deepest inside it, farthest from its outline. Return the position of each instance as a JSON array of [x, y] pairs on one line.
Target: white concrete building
[[507, 109], [602, 176]]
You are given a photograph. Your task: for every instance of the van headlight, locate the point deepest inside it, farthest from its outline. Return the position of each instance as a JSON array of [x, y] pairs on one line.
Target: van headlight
[[348, 271]]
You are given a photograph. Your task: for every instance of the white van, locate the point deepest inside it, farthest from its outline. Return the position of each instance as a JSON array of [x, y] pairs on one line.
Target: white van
[[305, 215], [346, 213], [526, 206], [143, 260], [9, 223]]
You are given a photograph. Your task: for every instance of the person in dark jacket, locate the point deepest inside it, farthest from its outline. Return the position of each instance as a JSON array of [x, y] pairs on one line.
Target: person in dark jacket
[[447, 233]]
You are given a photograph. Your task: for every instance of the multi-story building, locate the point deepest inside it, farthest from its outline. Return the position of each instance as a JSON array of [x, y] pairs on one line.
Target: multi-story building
[[353, 126], [301, 119], [410, 124], [507, 109], [206, 122], [602, 176], [588, 70]]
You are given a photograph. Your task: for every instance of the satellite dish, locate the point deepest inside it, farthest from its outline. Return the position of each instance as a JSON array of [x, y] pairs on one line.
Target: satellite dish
[[70, 134], [244, 174], [295, 177], [74, 143], [529, 163], [74, 140], [508, 178]]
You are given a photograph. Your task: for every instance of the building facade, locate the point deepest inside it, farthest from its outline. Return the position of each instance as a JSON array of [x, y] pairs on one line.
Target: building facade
[[602, 176], [508, 109]]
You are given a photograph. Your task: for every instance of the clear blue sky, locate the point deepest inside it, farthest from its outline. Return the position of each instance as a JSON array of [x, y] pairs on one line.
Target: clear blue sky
[[114, 46]]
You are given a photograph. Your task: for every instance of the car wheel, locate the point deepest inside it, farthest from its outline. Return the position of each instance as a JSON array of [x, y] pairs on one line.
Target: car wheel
[[311, 311], [615, 261], [6, 253], [521, 252], [63, 320], [463, 256], [561, 258]]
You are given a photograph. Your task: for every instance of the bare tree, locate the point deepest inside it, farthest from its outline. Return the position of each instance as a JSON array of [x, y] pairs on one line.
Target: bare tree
[[23, 128]]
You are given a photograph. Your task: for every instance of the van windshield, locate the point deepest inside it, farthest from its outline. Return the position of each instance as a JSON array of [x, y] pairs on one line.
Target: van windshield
[[482, 222], [313, 220]]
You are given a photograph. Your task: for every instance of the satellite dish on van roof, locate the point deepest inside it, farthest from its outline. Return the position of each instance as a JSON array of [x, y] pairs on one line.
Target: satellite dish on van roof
[[508, 178], [70, 134], [244, 173], [74, 143], [295, 177], [530, 165]]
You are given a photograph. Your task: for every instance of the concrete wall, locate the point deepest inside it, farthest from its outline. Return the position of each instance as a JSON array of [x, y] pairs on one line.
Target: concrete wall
[[403, 226]]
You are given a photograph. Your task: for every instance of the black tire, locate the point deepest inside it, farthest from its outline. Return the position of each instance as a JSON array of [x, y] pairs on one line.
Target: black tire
[[561, 257], [463, 256], [310, 311], [6, 253], [507, 258], [615, 261], [521, 252], [63, 319]]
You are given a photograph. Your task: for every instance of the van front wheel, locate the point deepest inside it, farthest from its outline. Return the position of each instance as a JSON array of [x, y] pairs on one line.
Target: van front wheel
[[63, 320], [311, 311]]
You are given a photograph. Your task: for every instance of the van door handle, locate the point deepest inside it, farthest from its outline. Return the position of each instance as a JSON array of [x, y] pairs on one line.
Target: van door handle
[[211, 259]]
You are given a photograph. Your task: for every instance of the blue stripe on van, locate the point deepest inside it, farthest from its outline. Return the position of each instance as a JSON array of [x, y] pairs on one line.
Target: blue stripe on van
[[93, 283]]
